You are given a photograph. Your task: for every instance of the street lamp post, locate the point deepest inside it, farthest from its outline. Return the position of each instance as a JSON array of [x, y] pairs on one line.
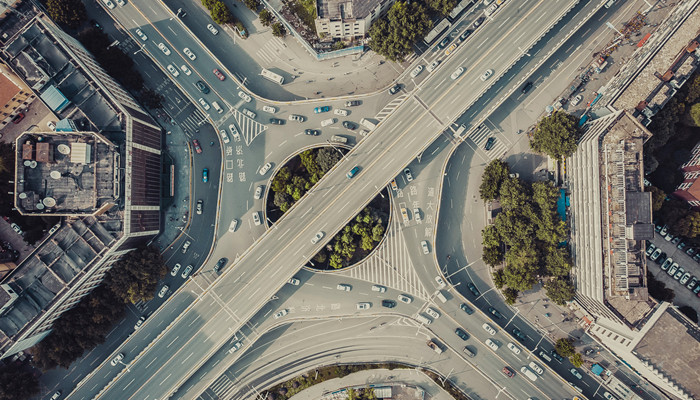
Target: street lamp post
[[336, 149]]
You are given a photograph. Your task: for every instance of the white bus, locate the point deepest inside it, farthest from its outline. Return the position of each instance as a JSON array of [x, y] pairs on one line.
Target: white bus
[[267, 74]]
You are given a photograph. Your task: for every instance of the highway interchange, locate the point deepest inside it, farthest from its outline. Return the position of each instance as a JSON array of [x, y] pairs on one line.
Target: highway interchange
[[183, 347]]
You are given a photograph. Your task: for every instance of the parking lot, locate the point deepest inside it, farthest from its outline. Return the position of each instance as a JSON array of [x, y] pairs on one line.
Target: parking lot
[[684, 296]]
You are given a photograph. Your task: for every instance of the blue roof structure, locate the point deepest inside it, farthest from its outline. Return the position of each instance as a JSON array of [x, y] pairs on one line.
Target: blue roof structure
[[55, 99]]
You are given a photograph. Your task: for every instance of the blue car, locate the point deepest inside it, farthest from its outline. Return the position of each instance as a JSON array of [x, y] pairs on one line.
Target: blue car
[[353, 172], [323, 109], [205, 175]]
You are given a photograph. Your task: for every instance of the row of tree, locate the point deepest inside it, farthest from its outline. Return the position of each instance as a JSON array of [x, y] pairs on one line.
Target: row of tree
[[363, 232], [524, 244], [565, 348], [133, 278]]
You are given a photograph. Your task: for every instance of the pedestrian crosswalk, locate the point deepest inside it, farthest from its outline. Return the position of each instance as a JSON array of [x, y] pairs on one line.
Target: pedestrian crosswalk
[[389, 108], [193, 121], [248, 127], [271, 51], [480, 137], [390, 264], [222, 387]]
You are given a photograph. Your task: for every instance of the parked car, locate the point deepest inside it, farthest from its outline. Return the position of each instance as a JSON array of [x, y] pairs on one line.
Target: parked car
[[17, 118], [404, 298], [666, 264], [650, 249], [576, 100], [692, 283], [655, 255], [461, 333], [163, 291], [672, 269]]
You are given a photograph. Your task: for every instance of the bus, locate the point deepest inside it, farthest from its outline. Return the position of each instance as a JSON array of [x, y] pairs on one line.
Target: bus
[[439, 28], [267, 74]]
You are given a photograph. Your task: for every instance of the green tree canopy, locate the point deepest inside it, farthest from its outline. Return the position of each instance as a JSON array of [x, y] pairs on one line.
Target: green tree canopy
[[511, 295], [565, 347], [265, 17], [68, 13], [221, 14], [442, 7], [492, 255], [513, 194], [657, 198], [136, 276], [491, 180], [394, 35], [560, 290], [278, 30], [556, 135], [17, 383], [689, 226], [576, 360]]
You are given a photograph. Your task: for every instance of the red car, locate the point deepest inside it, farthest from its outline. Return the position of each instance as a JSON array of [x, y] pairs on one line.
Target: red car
[[219, 75], [17, 118], [196, 145], [508, 372]]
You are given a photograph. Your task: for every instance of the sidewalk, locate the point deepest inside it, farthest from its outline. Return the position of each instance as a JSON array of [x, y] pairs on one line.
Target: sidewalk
[[407, 384]]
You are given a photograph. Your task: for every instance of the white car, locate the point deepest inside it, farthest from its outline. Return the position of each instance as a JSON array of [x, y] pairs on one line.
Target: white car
[[249, 113], [16, 228], [243, 95], [608, 396], [175, 269], [234, 133], [186, 70], [256, 218], [488, 328], [294, 281], [296, 117], [491, 344], [440, 282], [364, 305], [164, 48], [515, 349], [269, 109], [535, 367], [432, 312], [433, 65], [204, 104], [109, 4], [344, 287], [318, 236], [173, 70], [458, 72], [116, 359], [121, 3], [189, 53], [212, 29], [51, 125], [424, 246], [163, 291], [265, 168], [235, 347], [329, 121], [340, 111], [486, 75], [405, 298], [281, 313], [416, 215], [416, 71], [140, 34], [258, 193], [232, 227], [224, 136], [378, 288], [577, 100]]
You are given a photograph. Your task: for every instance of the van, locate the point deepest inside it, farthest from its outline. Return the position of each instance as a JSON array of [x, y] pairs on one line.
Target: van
[[217, 107], [526, 371], [610, 4], [469, 352], [441, 296], [423, 320], [368, 124], [339, 139], [545, 356], [329, 121]]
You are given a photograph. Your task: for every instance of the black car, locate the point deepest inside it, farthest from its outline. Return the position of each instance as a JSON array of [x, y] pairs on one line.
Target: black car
[[519, 335], [478, 22], [220, 264], [312, 132], [557, 356], [526, 88], [662, 258], [444, 43], [388, 303], [490, 143], [461, 333], [465, 34], [349, 125], [495, 312], [394, 89], [473, 289], [466, 309], [276, 121], [202, 87], [352, 103]]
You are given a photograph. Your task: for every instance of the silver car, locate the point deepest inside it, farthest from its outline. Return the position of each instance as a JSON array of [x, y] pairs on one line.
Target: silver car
[[486, 75], [187, 271]]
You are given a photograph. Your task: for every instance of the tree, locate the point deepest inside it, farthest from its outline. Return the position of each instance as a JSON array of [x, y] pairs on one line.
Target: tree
[[278, 30], [556, 135], [557, 261], [70, 13], [658, 289], [689, 312], [265, 17], [513, 194], [252, 4], [520, 270], [689, 226], [560, 290], [136, 276], [492, 255], [694, 114], [576, 360], [657, 198], [394, 35], [490, 237], [283, 201], [17, 383], [565, 347], [442, 7], [151, 99], [511, 295], [491, 180], [498, 278], [221, 14], [326, 158]]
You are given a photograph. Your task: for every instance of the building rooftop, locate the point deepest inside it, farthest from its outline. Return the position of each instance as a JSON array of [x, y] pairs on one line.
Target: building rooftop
[[65, 173], [346, 9], [672, 347]]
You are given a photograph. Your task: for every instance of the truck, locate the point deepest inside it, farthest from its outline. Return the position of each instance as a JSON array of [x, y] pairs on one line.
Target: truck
[[339, 139], [531, 375], [433, 345], [441, 296], [368, 124], [423, 320]]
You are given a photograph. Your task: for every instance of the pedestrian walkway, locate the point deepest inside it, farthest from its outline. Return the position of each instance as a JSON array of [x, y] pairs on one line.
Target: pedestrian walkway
[[248, 127], [271, 51], [193, 121], [389, 108], [390, 265], [480, 136], [223, 387]]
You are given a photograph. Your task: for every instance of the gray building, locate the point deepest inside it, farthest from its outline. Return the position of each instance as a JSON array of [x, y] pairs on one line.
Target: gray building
[[100, 170], [348, 19]]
